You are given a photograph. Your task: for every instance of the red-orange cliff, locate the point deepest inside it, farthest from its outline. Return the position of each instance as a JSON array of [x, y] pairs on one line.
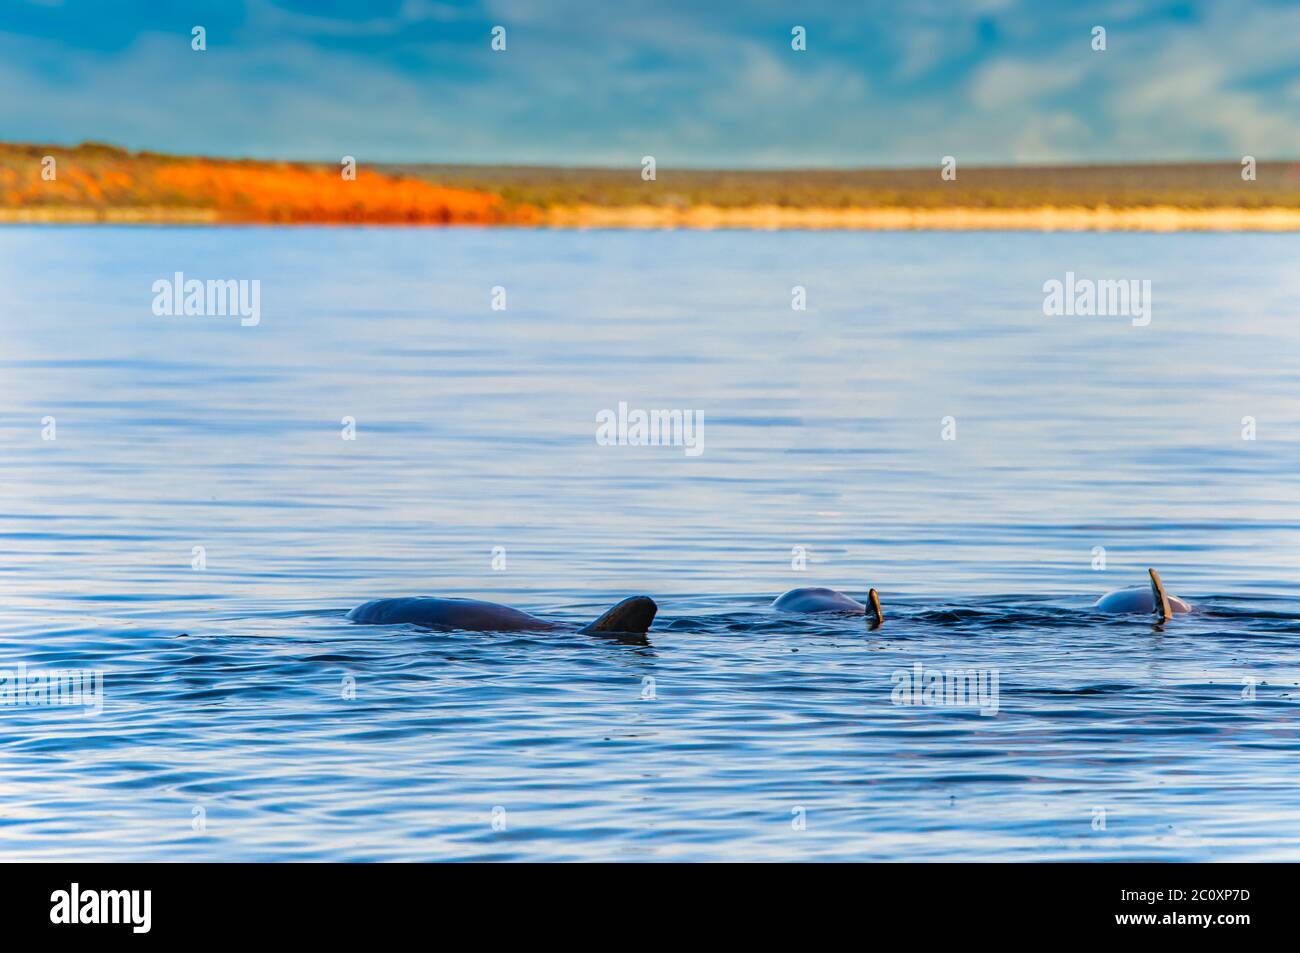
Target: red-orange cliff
[[93, 182]]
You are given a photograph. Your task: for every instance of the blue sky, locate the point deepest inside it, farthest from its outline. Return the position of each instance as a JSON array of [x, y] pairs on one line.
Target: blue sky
[[604, 82]]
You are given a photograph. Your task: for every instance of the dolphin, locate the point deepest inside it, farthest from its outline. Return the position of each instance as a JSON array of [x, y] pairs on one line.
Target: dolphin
[[1149, 599], [632, 615], [829, 600]]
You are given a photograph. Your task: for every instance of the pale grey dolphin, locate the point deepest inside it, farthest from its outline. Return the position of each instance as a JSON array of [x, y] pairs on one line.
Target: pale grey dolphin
[[1150, 599], [829, 600], [632, 615]]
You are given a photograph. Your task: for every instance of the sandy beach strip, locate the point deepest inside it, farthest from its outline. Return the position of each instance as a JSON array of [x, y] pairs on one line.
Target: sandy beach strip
[[887, 218], [109, 215], [1156, 218]]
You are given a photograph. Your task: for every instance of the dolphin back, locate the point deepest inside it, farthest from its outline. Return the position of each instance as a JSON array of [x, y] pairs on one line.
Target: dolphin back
[[434, 613], [1139, 599], [633, 614], [818, 600]]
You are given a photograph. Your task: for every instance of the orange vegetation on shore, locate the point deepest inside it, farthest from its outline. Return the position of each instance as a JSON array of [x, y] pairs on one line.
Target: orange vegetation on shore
[[101, 182], [285, 193]]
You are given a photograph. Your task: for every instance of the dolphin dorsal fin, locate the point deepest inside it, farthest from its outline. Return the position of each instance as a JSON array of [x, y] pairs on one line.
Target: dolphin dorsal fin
[[633, 615], [1162, 600], [875, 616]]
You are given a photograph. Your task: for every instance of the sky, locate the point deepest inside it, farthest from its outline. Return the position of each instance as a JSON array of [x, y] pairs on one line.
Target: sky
[[693, 83]]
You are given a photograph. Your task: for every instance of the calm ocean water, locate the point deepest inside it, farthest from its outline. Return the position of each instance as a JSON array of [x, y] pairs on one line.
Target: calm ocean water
[[244, 718]]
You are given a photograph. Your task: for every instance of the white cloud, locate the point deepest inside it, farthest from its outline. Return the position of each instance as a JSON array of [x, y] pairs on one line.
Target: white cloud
[[1005, 84]]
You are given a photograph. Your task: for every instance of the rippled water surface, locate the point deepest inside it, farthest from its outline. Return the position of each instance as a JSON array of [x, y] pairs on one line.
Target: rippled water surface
[[229, 729]]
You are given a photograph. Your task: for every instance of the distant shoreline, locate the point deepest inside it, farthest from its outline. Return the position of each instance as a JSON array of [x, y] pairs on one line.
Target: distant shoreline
[[96, 183], [1161, 218]]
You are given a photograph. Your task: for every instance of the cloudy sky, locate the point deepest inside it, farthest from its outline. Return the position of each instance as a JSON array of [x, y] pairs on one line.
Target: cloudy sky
[[598, 82]]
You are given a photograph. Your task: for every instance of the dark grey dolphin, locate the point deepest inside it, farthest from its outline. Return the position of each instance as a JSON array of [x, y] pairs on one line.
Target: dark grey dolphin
[[829, 600], [633, 615], [1149, 599]]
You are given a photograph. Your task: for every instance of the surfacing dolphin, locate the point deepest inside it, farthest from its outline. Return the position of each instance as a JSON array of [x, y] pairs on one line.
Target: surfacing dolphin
[[829, 600], [632, 615], [1150, 599]]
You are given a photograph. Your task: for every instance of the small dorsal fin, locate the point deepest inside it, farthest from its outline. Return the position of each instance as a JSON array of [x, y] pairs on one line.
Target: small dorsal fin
[[874, 614], [1162, 600]]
